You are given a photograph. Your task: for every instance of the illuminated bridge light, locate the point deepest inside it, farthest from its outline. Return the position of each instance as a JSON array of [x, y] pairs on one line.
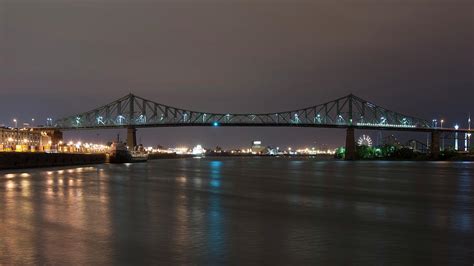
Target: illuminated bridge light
[[100, 120], [297, 119], [215, 124], [141, 119], [385, 125], [120, 119], [317, 119], [340, 119]]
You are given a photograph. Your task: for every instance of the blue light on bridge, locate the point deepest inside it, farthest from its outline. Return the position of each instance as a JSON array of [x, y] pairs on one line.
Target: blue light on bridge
[[215, 124]]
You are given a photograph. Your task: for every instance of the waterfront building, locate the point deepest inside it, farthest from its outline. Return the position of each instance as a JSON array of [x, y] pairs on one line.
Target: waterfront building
[[23, 139]]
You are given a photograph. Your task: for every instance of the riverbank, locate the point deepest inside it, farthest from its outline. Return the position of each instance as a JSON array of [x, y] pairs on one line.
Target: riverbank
[[17, 160]]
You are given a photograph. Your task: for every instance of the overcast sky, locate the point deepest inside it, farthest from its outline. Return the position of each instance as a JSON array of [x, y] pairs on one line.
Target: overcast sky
[[59, 57]]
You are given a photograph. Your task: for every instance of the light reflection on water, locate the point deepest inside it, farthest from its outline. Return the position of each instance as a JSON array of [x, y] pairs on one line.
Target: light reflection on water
[[267, 211], [215, 236]]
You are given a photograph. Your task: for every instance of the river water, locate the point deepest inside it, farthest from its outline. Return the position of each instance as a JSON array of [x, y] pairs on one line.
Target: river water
[[240, 211]]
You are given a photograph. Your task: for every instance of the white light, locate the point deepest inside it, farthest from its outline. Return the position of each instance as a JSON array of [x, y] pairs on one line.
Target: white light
[[198, 150], [385, 125], [365, 140], [456, 127]]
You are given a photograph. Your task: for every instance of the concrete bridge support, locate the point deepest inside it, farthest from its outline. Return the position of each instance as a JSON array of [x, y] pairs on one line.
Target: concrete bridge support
[[434, 149], [350, 144], [131, 137]]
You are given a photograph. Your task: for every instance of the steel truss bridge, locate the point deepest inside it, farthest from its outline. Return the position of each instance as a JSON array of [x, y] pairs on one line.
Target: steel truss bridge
[[349, 112], [135, 111]]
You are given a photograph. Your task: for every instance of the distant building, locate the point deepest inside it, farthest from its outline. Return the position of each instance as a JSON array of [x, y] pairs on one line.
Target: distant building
[[257, 147], [417, 146], [391, 140]]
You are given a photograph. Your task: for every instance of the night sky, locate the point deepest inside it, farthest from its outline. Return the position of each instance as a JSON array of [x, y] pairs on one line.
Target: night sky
[[60, 57]]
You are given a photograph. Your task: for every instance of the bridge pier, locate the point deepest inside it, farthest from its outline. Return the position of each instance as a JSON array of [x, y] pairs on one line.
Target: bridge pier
[[131, 137], [434, 149], [350, 144]]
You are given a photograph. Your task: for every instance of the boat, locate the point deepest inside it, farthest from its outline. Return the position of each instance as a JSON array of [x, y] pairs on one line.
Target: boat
[[139, 154], [119, 153]]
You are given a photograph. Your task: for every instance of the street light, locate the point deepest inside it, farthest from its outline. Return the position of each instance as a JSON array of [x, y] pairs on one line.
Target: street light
[[468, 144], [435, 123], [16, 131], [456, 145], [32, 122], [442, 145]]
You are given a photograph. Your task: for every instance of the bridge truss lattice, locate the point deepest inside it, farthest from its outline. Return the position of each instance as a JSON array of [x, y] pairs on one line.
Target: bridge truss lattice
[[135, 111]]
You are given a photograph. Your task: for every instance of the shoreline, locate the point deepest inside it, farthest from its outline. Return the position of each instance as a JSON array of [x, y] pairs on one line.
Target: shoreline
[[24, 160]]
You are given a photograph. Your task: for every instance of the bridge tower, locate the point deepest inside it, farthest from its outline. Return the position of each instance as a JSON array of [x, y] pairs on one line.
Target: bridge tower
[[350, 144], [434, 149], [131, 130], [131, 137]]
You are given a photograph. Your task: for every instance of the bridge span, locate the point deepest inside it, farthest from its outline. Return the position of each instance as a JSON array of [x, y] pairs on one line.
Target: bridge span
[[349, 112]]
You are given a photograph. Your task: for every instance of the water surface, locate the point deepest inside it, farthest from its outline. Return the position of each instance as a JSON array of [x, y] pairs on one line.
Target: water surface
[[253, 211]]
